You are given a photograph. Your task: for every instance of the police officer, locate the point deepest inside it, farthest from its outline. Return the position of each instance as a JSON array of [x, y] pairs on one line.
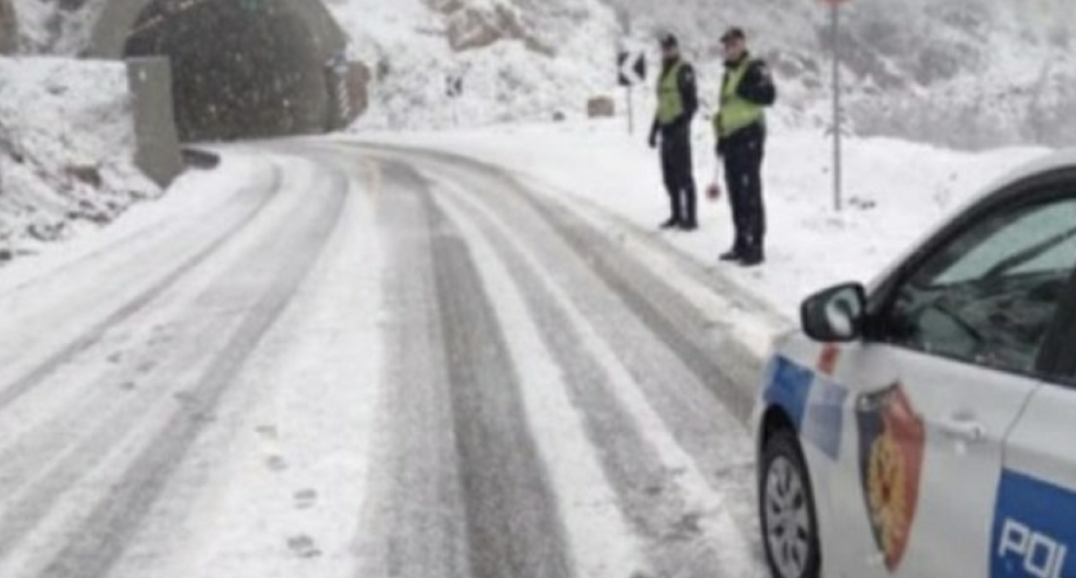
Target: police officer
[[740, 127], [677, 104]]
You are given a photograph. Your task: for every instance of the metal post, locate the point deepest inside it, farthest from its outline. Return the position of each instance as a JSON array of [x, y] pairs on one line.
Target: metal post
[[837, 197]]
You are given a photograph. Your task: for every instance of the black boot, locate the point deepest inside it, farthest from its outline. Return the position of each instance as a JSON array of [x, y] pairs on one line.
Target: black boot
[[689, 225], [731, 256], [672, 223], [753, 258]]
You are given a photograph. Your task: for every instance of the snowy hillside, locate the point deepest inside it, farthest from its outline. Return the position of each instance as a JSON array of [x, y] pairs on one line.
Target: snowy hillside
[[966, 73], [971, 74], [66, 149], [547, 57]]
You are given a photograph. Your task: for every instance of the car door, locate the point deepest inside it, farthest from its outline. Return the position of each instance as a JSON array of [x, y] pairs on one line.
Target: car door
[[1033, 534], [954, 351]]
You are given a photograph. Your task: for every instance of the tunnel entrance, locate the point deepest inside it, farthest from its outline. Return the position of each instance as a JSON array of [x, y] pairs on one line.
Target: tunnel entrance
[[240, 68]]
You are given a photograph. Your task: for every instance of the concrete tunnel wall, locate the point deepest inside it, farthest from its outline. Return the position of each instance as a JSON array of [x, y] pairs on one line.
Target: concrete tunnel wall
[[9, 30], [118, 18], [232, 81]]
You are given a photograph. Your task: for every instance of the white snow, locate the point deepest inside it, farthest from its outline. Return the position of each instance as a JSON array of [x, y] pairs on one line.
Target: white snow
[[66, 150], [405, 43], [287, 474], [896, 191], [194, 193], [54, 28]]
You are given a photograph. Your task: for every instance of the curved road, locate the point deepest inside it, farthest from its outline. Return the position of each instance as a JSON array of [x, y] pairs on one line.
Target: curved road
[[373, 362]]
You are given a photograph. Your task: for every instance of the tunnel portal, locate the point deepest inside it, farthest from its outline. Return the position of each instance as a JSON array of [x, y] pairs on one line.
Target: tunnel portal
[[240, 68]]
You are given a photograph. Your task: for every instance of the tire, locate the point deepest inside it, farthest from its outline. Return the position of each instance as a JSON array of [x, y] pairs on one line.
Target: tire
[[787, 510]]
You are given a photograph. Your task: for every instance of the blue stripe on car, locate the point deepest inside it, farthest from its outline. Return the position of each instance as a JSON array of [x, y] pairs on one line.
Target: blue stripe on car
[[1034, 535], [788, 387]]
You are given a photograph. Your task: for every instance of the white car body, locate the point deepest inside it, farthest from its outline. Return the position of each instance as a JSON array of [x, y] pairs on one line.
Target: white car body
[[949, 457]]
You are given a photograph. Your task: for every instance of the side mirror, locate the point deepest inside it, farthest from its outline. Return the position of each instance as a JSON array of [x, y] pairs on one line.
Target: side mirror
[[835, 315]]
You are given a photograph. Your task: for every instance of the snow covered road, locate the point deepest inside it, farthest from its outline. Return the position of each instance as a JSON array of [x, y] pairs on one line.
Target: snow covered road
[[373, 362]]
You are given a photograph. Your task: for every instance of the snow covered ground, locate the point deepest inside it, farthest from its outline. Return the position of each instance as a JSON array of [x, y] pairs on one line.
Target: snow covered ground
[[406, 44], [66, 150], [333, 360], [896, 191], [319, 361]]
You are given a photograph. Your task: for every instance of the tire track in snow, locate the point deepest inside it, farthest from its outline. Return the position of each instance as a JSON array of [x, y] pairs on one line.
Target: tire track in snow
[[513, 528], [666, 501], [100, 539], [15, 390], [508, 512], [603, 543], [413, 523]]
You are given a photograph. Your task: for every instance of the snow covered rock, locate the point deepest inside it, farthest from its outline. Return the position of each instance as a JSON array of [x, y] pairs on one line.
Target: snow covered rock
[[66, 149], [601, 107]]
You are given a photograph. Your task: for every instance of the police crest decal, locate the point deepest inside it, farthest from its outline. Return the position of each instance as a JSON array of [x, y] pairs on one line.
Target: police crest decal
[[891, 445]]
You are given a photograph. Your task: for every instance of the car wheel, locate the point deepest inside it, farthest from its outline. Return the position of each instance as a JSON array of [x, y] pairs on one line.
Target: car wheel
[[786, 503]]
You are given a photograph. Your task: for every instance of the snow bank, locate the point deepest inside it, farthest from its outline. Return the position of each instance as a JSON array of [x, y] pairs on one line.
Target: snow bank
[[66, 150], [896, 192]]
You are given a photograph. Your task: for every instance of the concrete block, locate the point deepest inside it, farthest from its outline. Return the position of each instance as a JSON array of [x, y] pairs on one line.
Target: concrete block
[[158, 150], [601, 107]]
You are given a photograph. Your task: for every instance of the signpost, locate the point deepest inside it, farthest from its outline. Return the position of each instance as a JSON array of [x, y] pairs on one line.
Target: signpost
[[631, 70], [835, 15], [454, 91], [454, 85]]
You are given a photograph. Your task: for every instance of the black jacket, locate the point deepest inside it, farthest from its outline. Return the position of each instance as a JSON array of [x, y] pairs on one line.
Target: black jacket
[[688, 92]]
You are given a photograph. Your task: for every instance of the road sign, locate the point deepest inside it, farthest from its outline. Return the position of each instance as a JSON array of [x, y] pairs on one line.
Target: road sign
[[454, 86], [631, 71], [631, 68]]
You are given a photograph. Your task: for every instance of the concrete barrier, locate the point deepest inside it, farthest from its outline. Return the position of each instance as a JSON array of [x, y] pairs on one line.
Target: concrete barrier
[[157, 150], [9, 30]]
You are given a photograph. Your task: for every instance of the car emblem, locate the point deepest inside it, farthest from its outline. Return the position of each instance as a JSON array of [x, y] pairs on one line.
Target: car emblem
[[891, 443]]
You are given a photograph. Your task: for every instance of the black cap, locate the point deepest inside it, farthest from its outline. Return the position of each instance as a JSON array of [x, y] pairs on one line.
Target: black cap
[[734, 34], [669, 40]]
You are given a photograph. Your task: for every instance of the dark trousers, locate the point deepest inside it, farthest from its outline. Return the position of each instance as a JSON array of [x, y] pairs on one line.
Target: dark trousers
[[677, 169], [743, 153]]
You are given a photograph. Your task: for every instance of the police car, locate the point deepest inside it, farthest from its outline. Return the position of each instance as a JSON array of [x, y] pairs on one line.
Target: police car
[[925, 426]]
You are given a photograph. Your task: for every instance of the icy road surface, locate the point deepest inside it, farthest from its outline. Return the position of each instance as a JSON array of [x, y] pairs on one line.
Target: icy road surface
[[369, 363]]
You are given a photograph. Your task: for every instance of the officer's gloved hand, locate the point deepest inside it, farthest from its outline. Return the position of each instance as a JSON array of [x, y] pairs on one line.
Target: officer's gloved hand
[[653, 139], [720, 148]]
